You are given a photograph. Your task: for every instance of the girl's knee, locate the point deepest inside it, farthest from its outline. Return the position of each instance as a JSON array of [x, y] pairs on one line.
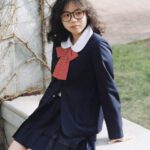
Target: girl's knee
[[16, 146]]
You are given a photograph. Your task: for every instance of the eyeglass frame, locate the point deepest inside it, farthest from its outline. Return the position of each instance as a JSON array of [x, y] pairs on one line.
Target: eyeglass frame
[[73, 15]]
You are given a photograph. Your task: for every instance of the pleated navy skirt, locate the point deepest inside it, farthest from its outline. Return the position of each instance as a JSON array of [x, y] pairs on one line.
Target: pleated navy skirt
[[60, 142], [42, 131]]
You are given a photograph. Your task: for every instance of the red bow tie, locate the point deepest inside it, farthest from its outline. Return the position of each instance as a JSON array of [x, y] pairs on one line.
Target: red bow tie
[[62, 66]]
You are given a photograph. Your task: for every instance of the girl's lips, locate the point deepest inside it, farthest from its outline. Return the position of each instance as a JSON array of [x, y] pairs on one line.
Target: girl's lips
[[75, 26]]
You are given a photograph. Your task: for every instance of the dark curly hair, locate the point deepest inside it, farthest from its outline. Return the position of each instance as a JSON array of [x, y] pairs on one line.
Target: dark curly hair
[[58, 32]]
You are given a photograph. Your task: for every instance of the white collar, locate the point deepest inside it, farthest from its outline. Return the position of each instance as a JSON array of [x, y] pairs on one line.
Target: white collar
[[81, 42]]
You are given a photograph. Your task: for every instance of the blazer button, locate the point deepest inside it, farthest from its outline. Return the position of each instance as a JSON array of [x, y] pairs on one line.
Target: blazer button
[[59, 94], [53, 95]]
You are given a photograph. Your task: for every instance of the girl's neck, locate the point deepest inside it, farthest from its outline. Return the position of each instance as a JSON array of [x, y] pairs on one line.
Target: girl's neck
[[74, 38]]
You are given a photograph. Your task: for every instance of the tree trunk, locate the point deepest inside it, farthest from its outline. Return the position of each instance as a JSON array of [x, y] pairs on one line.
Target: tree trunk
[[3, 142]]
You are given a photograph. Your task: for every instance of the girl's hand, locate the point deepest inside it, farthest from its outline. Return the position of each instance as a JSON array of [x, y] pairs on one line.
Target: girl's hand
[[123, 139]]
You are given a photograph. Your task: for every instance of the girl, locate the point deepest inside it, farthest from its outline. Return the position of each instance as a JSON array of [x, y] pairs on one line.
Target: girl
[[82, 90]]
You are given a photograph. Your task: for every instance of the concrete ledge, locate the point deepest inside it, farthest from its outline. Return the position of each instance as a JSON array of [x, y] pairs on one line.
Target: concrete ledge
[[20, 109], [139, 138], [16, 111]]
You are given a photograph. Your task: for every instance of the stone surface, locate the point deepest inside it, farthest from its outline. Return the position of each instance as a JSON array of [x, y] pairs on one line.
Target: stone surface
[[138, 136], [22, 47]]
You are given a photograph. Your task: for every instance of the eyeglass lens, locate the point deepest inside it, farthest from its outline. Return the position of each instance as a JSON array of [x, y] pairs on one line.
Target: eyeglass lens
[[77, 14]]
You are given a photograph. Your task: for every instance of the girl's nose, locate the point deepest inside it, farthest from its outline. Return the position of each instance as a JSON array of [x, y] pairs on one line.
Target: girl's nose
[[73, 19]]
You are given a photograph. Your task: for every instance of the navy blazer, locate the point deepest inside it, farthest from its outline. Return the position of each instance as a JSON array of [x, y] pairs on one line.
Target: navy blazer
[[88, 94], [89, 87]]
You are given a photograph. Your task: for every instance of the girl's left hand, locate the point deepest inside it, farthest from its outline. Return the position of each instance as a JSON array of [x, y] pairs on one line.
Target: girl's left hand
[[123, 139]]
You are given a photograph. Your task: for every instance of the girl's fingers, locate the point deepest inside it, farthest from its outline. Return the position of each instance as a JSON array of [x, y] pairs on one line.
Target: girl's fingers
[[118, 140]]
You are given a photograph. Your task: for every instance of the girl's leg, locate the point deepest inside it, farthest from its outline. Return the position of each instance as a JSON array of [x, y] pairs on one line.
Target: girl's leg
[[16, 146]]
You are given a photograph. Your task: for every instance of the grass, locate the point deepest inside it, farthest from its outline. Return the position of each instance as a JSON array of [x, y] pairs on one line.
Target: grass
[[132, 75]]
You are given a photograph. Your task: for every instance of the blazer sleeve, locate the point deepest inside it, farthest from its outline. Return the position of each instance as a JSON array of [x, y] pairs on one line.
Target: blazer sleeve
[[108, 94]]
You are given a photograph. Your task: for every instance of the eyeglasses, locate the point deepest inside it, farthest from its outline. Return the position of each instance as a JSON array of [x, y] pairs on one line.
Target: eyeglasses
[[77, 14]]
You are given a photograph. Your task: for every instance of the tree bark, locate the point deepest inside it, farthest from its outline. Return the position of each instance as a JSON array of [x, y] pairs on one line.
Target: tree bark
[[3, 142]]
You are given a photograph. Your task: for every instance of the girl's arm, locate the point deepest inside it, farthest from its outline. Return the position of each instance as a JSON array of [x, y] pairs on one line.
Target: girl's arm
[[108, 94]]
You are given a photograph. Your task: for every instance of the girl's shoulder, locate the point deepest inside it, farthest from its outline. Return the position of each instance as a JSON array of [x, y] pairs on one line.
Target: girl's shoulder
[[99, 43], [99, 39]]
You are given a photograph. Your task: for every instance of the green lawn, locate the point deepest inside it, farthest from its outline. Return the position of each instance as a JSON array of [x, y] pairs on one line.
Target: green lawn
[[132, 75]]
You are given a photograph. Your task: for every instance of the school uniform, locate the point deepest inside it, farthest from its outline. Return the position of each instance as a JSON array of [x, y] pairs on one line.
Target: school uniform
[[82, 92]]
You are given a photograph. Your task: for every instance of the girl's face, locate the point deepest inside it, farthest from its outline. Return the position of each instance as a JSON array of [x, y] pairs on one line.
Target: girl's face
[[74, 19]]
